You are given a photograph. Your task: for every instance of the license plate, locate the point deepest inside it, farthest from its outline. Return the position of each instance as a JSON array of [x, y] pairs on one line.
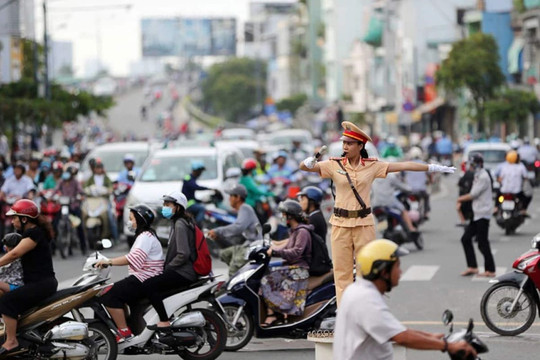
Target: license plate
[[508, 205]]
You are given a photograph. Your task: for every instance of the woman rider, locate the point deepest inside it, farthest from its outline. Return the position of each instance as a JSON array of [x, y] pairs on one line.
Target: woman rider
[[38, 272], [178, 270], [352, 222], [145, 260]]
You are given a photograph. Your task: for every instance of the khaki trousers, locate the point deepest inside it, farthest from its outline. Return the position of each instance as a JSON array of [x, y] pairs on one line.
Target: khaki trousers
[[346, 243]]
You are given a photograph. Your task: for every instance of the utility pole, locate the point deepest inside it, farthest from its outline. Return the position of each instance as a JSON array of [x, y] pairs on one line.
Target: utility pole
[[46, 53]]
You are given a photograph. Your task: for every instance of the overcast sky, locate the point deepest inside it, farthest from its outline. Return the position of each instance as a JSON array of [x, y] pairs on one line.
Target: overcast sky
[[119, 29]]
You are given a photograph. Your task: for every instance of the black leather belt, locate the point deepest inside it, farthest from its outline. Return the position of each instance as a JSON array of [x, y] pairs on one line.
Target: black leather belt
[[352, 213]]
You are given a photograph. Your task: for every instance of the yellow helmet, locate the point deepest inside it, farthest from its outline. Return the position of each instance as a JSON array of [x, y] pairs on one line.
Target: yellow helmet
[[376, 256], [512, 157]]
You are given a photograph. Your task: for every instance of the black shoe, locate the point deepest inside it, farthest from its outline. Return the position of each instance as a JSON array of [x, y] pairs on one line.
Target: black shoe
[[4, 352]]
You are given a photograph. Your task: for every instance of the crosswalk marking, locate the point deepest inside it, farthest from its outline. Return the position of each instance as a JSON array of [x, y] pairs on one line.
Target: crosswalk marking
[[419, 273]]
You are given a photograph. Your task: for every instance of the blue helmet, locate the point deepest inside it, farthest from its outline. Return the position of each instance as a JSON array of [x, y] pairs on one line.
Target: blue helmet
[[197, 165], [312, 193]]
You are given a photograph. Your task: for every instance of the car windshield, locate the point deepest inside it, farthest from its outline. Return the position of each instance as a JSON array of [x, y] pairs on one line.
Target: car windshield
[[175, 168], [490, 156], [288, 140], [113, 161]]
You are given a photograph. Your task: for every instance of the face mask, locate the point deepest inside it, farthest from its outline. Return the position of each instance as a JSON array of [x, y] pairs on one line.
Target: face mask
[[166, 212], [131, 226], [66, 176]]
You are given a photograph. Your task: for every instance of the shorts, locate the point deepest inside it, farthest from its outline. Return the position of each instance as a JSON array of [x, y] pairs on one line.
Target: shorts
[[13, 287]]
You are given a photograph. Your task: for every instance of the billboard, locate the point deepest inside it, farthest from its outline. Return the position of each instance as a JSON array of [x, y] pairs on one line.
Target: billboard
[[188, 36]]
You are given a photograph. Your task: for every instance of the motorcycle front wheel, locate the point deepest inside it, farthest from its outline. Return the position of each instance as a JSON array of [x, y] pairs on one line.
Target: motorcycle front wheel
[[104, 340], [214, 335], [63, 239], [241, 334], [496, 309]]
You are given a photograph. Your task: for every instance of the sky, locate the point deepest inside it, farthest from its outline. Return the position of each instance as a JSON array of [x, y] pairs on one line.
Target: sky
[[118, 29]]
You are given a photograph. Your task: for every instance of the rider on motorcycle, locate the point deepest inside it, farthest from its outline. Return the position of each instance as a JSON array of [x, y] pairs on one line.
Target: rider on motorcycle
[[367, 331], [418, 181], [384, 196], [55, 177], [18, 185], [310, 199], [254, 193], [280, 167], [247, 225], [392, 149], [130, 172], [69, 186], [190, 186], [100, 179], [511, 176], [527, 152]]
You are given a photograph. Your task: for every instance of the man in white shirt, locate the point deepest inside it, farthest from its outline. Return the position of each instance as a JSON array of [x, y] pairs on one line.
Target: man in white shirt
[[18, 185], [365, 327], [528, 152]]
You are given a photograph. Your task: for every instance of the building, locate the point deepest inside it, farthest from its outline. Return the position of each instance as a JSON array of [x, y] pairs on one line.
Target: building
[[16, 23]]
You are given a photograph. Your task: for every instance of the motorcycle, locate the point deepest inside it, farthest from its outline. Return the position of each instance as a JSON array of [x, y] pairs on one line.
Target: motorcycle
[[463, 335], [414, 205], [195, 333], [120, 193], [243, 306], [47, 332], [94, 209], [533, 172], [509, 306], [394, 228], [508, 214], [49, 205], [66, 226]]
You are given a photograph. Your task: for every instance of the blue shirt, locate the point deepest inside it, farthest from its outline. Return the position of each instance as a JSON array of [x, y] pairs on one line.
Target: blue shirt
[[123, 175], [18, 187], [275, 171], [190, 186], [444, 146]]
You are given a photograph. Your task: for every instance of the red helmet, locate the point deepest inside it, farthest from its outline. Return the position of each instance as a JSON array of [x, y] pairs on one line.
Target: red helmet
[[24, 207], [249, 164]]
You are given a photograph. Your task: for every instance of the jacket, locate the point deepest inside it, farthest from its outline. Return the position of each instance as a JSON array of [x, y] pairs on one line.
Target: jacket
[[297, 251], [180, 249]]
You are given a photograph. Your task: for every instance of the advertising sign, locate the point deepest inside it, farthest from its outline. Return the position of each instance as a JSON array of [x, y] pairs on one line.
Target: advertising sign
[[188, 37]]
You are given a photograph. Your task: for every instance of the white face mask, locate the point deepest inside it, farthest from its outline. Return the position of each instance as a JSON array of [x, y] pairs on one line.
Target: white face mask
[[131, 226]]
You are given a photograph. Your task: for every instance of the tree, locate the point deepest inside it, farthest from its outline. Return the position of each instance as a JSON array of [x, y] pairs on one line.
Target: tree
[[512, 108], [234, 87], [473, 65], [291, 103]]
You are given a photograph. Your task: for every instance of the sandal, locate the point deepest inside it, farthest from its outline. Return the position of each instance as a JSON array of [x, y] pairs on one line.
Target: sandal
[[270, 320]]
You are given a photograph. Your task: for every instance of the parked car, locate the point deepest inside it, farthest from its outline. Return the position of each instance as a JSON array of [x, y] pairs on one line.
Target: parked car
[[245, 146], [112, 156], [283, 139], [165, 170], [237, 134]]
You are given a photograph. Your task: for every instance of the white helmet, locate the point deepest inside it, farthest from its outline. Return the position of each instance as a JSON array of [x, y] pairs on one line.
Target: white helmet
[[415, 153], [176, 197]]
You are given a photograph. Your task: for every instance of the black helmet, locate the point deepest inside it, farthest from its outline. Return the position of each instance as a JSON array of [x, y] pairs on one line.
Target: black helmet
[[11, 240], [145, 213], [291, 207], [477, 159]]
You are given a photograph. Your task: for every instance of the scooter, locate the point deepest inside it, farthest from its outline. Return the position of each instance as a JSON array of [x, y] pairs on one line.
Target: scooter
[[195, 332], [120, 193], [46, 331], [66, 226], [394, 228], [508, 215], [509, 306], [94, 209], [244, 307], [463, 335], [49, 205]]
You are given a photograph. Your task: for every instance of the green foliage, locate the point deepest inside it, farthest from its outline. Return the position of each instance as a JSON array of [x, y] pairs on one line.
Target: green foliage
[[292, 103], [28, 65], [231, 87], [473, 65], [519, 6], [512, 106]]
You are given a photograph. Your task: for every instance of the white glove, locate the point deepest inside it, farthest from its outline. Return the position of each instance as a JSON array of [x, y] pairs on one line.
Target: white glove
[[310, 162], [441, 168]]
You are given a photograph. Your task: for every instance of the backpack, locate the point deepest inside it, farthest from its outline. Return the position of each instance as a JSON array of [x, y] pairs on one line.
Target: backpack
[[203, 262], [320, 260]]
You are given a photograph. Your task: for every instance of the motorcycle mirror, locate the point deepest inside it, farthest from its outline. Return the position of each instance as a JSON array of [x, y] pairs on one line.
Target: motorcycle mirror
[[447, 317], [103, 244], [266, 228]]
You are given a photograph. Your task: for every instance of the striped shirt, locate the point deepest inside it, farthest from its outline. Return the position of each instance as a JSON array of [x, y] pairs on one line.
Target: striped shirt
[[145, 257]]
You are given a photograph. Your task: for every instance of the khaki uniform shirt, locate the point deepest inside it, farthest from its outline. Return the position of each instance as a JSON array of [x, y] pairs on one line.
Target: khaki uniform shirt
[[362, 177]]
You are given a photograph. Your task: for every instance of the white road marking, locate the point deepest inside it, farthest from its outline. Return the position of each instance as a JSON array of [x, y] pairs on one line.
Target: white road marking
[[419, 273]]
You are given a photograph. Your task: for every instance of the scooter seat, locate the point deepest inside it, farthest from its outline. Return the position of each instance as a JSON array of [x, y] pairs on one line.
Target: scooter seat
[[316, 281]]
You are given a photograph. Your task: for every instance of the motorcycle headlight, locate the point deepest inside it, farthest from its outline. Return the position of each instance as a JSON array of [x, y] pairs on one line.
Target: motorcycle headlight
[[523, 264]]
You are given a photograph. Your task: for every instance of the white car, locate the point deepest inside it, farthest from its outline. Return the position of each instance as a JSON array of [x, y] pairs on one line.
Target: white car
[[237, 134], [335, 149], [283, 139], [164, 172], [493, 153], [112, 157], [245, 146]]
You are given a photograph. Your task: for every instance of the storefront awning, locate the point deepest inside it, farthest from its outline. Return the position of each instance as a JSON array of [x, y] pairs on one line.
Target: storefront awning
[[430, 106], [514, 55], [375, 31]]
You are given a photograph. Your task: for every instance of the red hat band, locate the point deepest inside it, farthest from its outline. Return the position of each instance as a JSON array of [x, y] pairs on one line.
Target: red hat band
[[355, 135]]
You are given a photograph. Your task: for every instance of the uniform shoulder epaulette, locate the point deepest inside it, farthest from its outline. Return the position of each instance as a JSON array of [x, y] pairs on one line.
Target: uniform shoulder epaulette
[[371, 159]]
